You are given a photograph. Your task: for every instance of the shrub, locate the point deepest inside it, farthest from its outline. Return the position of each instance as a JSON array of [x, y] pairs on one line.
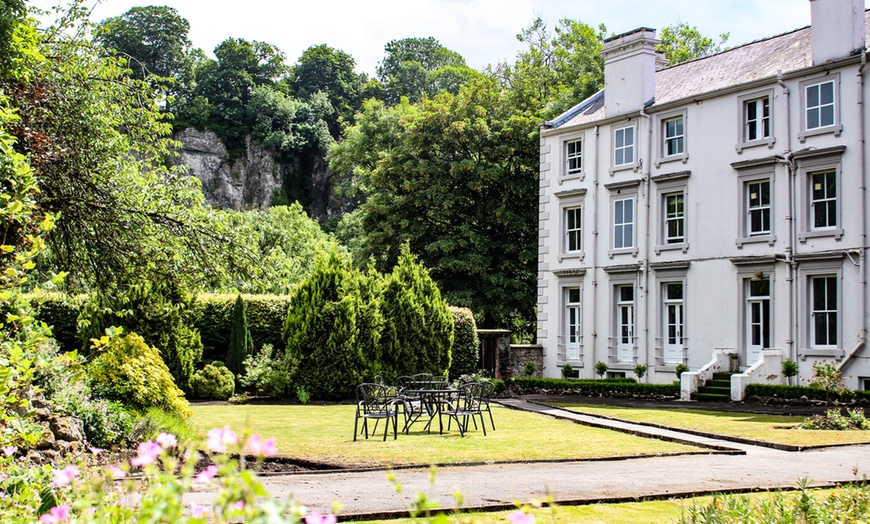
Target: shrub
[[322, 332], [265, 314], [640, 370], [600, 368], [567, 370], [789, 369], [529, 368], [106, 423], [266, 375], [160, 314], [240, 339], [418, 327], [130, 371], [466, 346], [834, 420], [214, 381], [680, 369], [603, 387], [797, 392], [302, 394], [827, 377], [61, 312]]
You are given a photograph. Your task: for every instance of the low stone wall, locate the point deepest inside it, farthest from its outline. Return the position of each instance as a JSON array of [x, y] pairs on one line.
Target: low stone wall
[[519, 354]]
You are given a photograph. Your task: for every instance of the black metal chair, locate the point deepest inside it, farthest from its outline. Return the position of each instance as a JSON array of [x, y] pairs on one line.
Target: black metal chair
[[487, 391], [376, 402], [465, 405]]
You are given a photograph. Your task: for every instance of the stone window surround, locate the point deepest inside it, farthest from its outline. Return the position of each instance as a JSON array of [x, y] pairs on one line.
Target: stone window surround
[[666, 274], [815, 161], [563, 156], [812, 267], [635, 164], [661, 120], [570, 199], [666, 184], [755, 173], [837, 127], [742, 102], [620, 191]]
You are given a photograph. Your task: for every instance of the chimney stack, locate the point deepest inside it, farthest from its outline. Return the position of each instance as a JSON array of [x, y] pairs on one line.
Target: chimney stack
[[630, 63], [838, 29]]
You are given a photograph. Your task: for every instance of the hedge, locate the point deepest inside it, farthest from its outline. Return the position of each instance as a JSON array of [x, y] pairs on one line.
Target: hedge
[[604, 387], [466, 346], [214, 319], [797, 392]]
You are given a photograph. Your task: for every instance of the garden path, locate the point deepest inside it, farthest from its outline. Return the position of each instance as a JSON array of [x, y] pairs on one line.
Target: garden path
[[734, 467]]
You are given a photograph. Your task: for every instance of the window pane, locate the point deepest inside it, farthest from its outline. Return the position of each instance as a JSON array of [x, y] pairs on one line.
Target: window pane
[[620, 137], [826, 93], [629, 210], [812, 118], [826, 117], [629, 136], [813, 96]]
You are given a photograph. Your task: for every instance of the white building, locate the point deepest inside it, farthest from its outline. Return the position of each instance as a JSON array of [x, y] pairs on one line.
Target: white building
[[720, 204]]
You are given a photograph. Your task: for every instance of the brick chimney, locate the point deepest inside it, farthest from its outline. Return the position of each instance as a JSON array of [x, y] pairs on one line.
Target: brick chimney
[[838, 28], [630, 64]]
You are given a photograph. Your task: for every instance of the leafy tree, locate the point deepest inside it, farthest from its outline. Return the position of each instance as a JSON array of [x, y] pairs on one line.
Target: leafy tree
[[97, 143], [155, 40], [322, 69], [682, 42], [558, 69], [11, 29], [412, 68], [241, 343], [455, 177], [418, 326]]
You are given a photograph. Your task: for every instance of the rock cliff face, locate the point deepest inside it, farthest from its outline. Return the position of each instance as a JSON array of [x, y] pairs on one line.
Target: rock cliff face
[[248, 182]]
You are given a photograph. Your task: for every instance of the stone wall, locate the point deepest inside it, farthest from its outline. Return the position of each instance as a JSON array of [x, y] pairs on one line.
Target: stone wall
[[522, 353]]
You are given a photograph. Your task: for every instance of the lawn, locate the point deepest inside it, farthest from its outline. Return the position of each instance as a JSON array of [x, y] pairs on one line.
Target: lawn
[[324, 434], [778, 429]]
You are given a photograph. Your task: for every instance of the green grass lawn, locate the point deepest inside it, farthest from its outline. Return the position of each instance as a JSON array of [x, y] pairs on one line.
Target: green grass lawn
[[324, 434], [767, 428]]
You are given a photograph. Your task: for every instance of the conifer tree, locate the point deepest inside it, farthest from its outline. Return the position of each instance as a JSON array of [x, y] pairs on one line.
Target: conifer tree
[[418, 326], [241, 343]]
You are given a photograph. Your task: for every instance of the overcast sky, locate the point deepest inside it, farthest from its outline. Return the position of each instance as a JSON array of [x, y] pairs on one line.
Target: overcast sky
[[483, 31]]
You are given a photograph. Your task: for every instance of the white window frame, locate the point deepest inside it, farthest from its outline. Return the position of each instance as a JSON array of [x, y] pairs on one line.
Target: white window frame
[[825, 310], [744, 124], [619, 192], [617, 286], [669, 185], [565, 337], [664, 323], [573, 233], [574, 157], [662, 121], [760, 209], [747, 177], [571, 199], [615, 137], [621, 224], [808, 168], [810, 270], [751, 271], [835, 126]]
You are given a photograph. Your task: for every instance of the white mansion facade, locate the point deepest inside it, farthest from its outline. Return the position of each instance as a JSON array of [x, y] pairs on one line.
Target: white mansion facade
[[714, 208]]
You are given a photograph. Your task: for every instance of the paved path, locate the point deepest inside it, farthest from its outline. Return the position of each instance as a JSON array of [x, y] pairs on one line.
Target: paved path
[[500, 485]]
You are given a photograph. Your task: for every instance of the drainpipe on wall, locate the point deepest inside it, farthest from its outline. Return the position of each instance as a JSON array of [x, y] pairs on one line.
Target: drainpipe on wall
[[645, 174], [792, 227], [862, 266], [594, 253]]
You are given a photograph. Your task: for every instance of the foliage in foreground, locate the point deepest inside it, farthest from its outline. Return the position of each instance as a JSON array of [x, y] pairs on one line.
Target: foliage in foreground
[[834, 420], [850, 503]]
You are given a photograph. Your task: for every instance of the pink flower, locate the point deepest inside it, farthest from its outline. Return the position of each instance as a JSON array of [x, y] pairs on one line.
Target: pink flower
[[197, 511], [117, 473], [95, 450], [65, 476], [56, 514], [219, 439], [238, 505], [316, 518], [521, 517], [148, 453], [261, 448], [167, 440], [9, 450], [205, 476]]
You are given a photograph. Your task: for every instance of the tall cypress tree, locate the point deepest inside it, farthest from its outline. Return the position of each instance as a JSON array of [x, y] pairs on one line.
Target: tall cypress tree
[[241, 343]]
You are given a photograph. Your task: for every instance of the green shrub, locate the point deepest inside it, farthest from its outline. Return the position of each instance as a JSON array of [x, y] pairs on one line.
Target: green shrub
[[130, 371], [797, 392], [322, 332], [265, 314], [567, 370], [529, 368], [834, 420], [160, 313], [418, 327], [266, 375], [302, 394], [680, 369], [61, 313], [600, 368], [789, 369], [214, 381], [604, 387], [640, 370], [240, 339], [107, 423], [466, 346]]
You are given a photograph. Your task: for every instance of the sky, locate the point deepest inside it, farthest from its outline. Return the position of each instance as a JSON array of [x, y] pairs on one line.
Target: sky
[[482, 31]]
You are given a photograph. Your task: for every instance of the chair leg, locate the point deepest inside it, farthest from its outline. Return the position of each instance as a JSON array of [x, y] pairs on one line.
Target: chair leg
[[355, 424]]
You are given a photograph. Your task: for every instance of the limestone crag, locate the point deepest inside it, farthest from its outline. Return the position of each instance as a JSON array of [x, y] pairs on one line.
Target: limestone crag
[[246, 182]]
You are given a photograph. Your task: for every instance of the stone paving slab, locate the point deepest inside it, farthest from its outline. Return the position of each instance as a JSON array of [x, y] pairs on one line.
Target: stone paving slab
[[499, 486]]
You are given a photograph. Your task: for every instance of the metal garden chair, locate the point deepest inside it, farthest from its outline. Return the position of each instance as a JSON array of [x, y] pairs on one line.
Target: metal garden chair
[[376, 402]]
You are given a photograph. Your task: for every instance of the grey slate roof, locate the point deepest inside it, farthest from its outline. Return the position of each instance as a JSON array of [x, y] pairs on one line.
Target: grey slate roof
[[740, 65]]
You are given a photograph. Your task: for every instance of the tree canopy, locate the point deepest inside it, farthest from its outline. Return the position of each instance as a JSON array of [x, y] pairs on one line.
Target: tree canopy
[[682, 42]]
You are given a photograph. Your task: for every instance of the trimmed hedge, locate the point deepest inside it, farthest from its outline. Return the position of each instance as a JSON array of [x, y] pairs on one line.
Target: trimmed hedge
[[466, 346], [797, 392], [603, 387], [214, 319]]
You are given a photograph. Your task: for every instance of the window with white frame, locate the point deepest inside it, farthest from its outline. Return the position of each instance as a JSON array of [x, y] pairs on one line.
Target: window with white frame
[[823, 200], [820, 106], [673, 323], [573, 331], [674, 218], [824, 311], [573, 221], [756, 119], [625, 323], [673, 133], [573, 157], [623, 146], [623, 223], [757, 207]]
